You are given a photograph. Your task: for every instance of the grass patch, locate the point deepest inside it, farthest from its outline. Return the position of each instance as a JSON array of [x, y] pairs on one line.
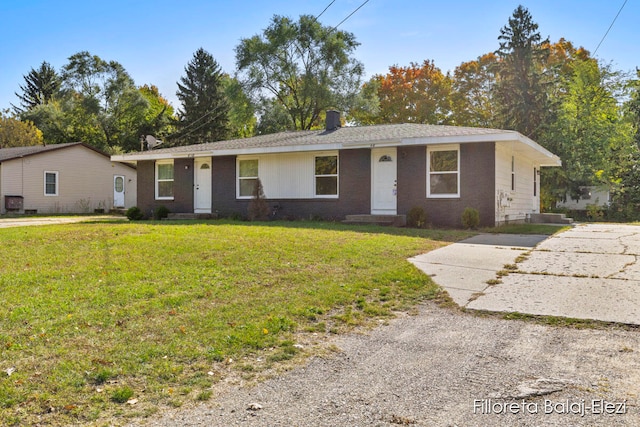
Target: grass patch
[[93, 313]]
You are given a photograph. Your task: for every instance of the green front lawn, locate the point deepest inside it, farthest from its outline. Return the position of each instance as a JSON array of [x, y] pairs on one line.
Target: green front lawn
[[93, 316]]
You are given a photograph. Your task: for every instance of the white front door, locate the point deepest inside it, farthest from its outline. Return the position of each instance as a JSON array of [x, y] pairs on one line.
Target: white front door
[[118, 191], [202, 185], [384, 169]]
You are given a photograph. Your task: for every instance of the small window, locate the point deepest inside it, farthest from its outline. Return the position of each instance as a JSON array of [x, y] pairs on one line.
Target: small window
[[385, 158], [247, 177], [119, 186], [443, 174], [535, 182], [51, 183], [326, 176], [164, 180], [205, 166]]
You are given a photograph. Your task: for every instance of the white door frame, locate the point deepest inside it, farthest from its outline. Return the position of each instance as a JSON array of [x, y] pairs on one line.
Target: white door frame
[[202, 185], [384, 176], [119, 196]]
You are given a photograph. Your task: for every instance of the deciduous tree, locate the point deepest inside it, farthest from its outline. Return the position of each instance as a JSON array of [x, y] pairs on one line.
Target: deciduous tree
[[102, 103], [307, 67], [414, 94], [472, 97], [159, 117], [17, 133], [589, 133], [242, 117]]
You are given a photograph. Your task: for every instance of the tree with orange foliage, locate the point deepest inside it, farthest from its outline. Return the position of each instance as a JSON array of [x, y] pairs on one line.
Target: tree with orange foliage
[[472, 98], [414, 94]]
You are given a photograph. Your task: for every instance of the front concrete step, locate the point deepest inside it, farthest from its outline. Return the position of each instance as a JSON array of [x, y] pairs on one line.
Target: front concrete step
[[550, 218], [387, 220], [191, 215]]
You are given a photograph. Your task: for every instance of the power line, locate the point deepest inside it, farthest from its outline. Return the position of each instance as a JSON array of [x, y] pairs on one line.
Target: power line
[[181, 133], [325, 9], [610, 26], [351, 14]]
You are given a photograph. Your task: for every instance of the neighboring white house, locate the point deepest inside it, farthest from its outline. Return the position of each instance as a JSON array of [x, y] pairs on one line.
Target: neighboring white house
[[590, 195], [63, 178]]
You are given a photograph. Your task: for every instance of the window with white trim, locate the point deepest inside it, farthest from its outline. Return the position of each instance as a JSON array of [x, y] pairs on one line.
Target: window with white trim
[[443, 171], [326, 176], [50, 183], [164, 180], [247, 177]]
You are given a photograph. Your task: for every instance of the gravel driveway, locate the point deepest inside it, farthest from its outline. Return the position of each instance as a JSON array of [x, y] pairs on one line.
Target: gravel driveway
[[444, 367]]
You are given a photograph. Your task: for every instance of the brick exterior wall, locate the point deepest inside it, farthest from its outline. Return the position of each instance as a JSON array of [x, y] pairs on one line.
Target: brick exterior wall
[[182, 187], [477, 184], [354, 191]]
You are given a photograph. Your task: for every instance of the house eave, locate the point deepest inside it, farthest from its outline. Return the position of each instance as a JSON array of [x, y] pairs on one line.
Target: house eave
[[228, 152], [529, 147]]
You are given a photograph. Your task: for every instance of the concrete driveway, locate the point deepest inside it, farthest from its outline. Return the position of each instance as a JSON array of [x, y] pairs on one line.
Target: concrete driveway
[[588, 272]]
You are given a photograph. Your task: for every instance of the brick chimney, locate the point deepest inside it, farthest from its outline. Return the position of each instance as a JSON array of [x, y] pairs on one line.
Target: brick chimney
[[333, 120]]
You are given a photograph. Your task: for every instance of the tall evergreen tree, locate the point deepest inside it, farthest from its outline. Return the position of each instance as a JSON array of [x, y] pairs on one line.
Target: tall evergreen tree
[[40, 87], [203, 116], [520, 88]]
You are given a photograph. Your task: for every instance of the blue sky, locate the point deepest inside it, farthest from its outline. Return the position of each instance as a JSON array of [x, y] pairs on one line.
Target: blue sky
[[155, 39]]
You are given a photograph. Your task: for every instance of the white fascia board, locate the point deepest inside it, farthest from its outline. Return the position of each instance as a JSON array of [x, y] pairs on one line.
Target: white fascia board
[[372, 144], [550, 159], [132, 158], [554, 160], [459, 139], [137, 157], [276, 150]]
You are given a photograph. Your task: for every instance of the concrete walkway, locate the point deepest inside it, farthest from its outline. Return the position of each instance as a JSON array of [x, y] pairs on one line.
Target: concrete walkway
[[588, 272]]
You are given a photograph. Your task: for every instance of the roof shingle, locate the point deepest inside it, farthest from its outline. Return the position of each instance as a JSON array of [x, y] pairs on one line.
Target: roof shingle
[[344, 135]]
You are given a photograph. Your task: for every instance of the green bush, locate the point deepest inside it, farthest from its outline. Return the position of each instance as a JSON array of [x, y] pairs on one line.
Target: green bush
[[417, 217], [161, 212], [470, 218], [134, 214]]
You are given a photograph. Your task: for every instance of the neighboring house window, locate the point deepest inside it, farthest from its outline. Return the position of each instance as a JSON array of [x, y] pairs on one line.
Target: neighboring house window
[[443, 171], [326, 176], [535, 182], [51, 183], [164, 180], [585, 193], [247, 177]]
